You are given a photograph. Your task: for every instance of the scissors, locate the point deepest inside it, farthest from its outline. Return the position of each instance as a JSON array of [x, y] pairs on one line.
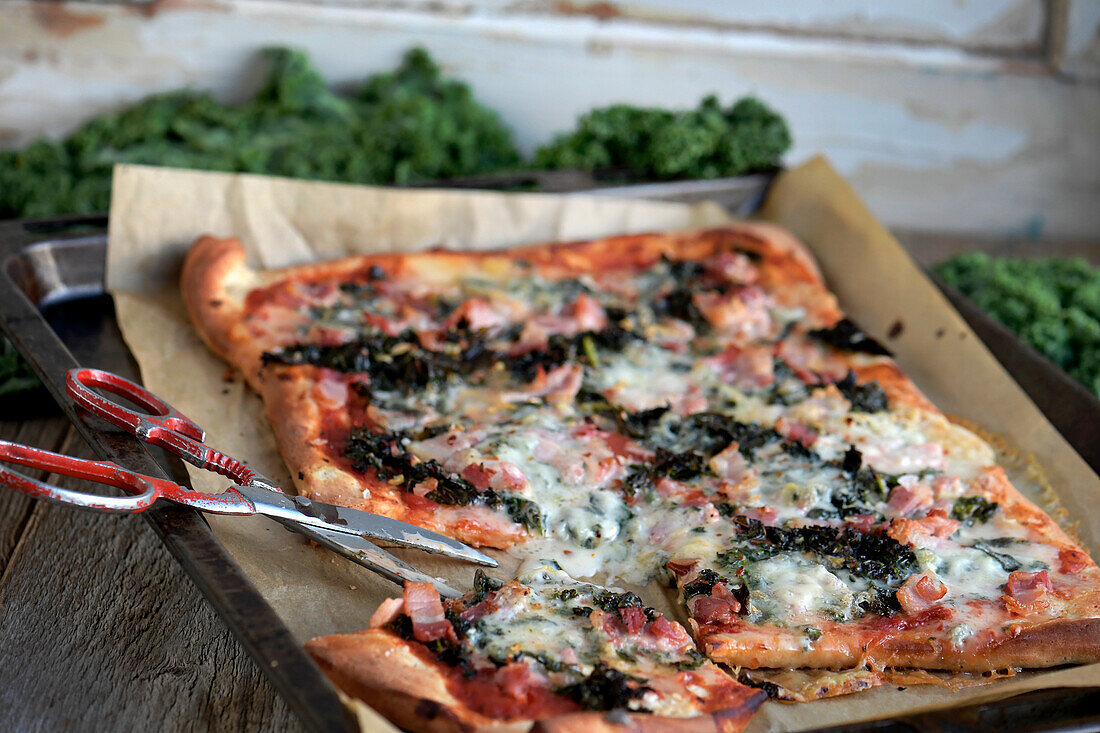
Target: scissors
[[342, 530]]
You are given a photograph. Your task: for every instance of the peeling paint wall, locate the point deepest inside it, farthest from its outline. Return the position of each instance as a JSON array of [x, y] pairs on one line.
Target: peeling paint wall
[[948, 115]]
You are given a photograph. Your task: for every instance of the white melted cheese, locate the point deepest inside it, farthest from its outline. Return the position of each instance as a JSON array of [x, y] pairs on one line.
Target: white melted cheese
[[541, 623], [592, 530], [641, 377], [799, 592]]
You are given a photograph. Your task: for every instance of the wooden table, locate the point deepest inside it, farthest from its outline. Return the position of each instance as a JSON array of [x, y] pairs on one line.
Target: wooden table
[[101, 629]]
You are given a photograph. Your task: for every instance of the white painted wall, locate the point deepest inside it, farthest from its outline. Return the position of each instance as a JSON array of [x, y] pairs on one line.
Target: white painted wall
[[977, 117]]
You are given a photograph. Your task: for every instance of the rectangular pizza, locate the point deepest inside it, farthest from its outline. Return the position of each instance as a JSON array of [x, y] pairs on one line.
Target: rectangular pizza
[[690, 408]]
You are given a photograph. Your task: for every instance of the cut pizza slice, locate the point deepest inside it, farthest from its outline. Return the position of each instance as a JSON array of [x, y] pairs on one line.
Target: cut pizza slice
[[923, 570], [541, 648], [455, 390]]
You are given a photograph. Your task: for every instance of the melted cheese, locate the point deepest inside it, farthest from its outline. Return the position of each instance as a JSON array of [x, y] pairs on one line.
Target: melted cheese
[[592, 529], [797, 592]]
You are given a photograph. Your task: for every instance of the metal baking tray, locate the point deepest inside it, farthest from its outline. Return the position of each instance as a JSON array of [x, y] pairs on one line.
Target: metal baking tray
[[54, 307]]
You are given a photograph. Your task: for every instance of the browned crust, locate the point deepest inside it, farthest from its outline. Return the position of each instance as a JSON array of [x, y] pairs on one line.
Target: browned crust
[[1045, 644], [210, 265], [383, 671]]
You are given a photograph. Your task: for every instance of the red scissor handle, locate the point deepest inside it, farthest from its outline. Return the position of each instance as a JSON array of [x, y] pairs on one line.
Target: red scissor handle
[[146, 489], [161, 424]]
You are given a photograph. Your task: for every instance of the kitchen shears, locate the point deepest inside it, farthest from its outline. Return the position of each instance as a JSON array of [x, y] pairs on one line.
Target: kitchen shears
[[343, 530]]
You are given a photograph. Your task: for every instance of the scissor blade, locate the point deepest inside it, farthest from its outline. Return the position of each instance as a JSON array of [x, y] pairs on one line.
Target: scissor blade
[[359, 523], [360, 551]]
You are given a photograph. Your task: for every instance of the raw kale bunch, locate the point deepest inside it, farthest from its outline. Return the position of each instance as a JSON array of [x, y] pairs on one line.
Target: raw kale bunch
[[400, 127], [653, 143], [1052, 303], [404, 126]]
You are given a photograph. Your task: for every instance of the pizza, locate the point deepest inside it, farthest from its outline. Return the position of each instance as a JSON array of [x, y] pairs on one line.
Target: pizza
[[495, 658], [687, 407]]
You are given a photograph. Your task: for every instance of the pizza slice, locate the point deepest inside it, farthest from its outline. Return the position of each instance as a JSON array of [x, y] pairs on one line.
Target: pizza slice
[[544, 648], [442, 388]]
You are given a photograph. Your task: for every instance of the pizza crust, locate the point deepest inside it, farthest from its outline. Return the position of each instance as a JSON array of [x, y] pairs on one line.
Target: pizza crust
[[214, 281], [1036, 645], [382, 670]]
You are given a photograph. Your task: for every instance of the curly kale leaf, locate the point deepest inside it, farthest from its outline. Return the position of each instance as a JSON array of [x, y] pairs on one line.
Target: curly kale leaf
[[1051, 303], [651, 143], [872, 555], [971, 509], [868, 397], [604, 689], [385, 454], [403, 126]]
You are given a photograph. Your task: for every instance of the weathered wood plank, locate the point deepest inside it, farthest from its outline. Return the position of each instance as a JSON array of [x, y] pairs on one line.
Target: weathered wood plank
[[15, 509], [101, 629]]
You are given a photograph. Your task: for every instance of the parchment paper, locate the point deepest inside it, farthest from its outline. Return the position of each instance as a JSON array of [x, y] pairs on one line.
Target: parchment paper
[[156, 213]]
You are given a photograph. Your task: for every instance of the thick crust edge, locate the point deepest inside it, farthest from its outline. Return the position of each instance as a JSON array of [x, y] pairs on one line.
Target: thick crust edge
[[382, 670], [1050, 644], [209, 267]]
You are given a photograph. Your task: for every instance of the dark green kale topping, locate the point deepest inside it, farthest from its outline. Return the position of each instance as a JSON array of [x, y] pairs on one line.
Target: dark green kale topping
[[607, 600], [612, 602], [875, 556], [787, 388], [636, 425], [812, 632], [865, 487], [709, 433], [551, 664], [677, 466], [561, 349], [685, 271], [459, 624], [444, 650], [852, 461], [971, 509], [1007, 562], [878, 600], [384, 453], [401, 363], [869, 397], [847, 336], [703, 584], [694, 660], [738, 558], [680, 466], [483, 586], [393, 362], [680, 303], [604, 689]]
